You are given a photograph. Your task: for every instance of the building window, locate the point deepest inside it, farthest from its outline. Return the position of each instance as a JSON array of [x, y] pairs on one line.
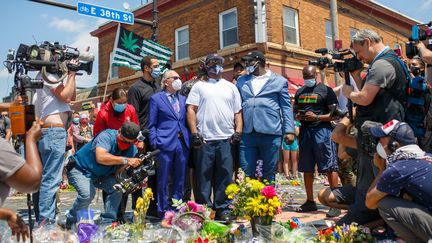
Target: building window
[[228, 28], [328, 35], [290, 25], [353, 31], [114, 69], [182, 43]]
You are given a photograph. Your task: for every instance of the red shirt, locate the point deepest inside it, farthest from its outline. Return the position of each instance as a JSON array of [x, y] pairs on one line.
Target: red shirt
[[106, 120]]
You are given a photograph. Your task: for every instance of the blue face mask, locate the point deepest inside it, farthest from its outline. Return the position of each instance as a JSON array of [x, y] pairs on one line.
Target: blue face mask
[[309, 82], [119, 107], [76, 120], [156, 72], [218, 69]]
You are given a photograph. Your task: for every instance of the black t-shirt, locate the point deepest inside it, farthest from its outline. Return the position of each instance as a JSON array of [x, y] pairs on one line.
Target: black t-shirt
[[139, 96], [315, 99]]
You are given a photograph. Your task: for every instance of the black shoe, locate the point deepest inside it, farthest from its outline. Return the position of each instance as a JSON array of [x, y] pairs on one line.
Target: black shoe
[[308, 206], [226, 217]]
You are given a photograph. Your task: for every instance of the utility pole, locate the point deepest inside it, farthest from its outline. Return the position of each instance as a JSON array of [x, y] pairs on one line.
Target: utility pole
[[335, 28]]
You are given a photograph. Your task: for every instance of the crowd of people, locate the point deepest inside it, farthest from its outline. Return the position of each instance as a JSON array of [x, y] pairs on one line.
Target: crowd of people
[[208, 127]]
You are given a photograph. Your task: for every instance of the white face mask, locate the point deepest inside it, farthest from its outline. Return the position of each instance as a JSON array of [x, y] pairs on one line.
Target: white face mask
[[177, 84], [309, 82], [381, 151]]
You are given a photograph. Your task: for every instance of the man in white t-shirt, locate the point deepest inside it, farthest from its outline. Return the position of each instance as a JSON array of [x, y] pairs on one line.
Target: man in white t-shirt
[[215, 121], [53, 111]]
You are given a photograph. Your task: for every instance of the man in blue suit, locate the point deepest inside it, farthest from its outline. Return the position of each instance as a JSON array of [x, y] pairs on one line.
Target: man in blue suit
[[168, 133], [267, 116]]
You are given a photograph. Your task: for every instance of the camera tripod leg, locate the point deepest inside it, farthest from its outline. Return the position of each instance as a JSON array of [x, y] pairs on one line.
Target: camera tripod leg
[[29, 205]]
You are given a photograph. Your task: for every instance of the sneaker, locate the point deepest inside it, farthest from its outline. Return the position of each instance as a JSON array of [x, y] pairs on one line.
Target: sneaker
[[308, 206], [333, 212]]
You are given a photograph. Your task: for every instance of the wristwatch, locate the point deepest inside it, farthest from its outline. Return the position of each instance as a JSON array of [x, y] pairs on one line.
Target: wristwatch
[[125, 160], [317, 118]]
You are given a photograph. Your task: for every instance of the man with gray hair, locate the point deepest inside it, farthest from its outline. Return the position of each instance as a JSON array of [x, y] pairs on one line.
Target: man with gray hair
[[380, 99]]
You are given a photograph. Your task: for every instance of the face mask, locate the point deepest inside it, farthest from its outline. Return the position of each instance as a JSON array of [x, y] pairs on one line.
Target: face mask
[[84, 121], [415, 70], [381, 151], [251, 69], [155, 72], [310, 82], [176, 84], [119, 107], [76, 121], [217, 70], [122, 145]]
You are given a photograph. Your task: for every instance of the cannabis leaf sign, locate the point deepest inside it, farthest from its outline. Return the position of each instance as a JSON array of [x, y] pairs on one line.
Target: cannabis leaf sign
[[128, 42]]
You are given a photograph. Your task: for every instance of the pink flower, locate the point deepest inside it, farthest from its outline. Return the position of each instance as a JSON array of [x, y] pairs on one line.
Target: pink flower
[[169, 215], [200, 209], [192, 206], [269, 192]]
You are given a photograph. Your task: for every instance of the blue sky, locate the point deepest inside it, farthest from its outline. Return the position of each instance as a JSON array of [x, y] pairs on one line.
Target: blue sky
[[27, 22]]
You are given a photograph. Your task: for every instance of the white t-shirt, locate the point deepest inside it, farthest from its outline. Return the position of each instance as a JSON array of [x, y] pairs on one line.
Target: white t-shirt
[[258, 82], [342, 100], [45, 102], [217, 102]]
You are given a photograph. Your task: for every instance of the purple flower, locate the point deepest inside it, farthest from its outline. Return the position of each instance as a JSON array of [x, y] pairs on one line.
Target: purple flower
[[258, 172]]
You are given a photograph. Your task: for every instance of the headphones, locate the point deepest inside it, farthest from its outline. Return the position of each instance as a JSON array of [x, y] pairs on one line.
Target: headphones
[[392, 146]]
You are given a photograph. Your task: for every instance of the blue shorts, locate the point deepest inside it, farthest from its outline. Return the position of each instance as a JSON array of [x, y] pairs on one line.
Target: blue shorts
[[316, 147], [292, 147]]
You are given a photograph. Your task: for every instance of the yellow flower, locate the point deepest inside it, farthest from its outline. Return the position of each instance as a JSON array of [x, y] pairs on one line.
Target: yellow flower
[[256, 185], [232, 190], [148, 193]]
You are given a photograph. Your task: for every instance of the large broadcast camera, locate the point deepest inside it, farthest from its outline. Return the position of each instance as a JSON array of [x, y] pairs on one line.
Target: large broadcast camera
[[131, 179], [419, 34], [338, 60]]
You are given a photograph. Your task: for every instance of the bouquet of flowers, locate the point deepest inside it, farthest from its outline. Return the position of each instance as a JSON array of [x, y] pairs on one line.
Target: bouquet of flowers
[[188, 213], [345, 234], [253, 198], [142, 205]]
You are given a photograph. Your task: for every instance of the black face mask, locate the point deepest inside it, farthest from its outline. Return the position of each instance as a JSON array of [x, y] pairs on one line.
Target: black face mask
[[415, 70]]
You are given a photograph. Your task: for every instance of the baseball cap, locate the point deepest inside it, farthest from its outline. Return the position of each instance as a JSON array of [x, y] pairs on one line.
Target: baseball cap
[[214, 56], [130, 130], [254, 55], [399, 131]]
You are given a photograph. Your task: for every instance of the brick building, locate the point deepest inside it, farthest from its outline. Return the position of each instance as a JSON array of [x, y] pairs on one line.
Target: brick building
[[287, 31]]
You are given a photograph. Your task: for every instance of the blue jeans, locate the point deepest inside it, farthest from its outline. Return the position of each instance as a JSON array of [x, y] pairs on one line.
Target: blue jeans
[[255, 146], [213, 171], [52, 147], [86, 188]]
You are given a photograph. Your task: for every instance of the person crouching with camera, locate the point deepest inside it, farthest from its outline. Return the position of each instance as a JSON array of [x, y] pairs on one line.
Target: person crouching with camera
[[94, 166], [52, 108]]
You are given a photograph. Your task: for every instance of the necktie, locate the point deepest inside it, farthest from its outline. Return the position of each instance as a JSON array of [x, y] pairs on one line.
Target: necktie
[[174, 103]]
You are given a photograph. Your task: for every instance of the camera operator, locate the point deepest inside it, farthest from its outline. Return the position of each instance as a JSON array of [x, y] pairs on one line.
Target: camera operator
[[379, 100], [22, 175], [94, 166], [52, 108]]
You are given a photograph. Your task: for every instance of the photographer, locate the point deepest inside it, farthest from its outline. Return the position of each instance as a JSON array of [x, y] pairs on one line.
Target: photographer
[[402, 191], [22, 175], [94, 165], [52, 108], [379, 100]]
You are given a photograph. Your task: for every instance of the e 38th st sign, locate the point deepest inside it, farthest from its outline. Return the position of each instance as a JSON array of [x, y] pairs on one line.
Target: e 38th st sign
[[105, 13]]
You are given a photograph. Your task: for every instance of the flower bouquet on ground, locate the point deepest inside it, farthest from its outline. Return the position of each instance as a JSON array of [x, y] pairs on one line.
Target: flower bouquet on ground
[[292, 231], [345, 234], [255, 200]]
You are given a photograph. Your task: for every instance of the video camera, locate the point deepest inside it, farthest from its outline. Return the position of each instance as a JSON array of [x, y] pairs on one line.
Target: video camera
[[131, 179], [338, 61], [417, 34]]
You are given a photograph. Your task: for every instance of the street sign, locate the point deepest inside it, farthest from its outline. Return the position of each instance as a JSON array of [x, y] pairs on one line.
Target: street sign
[[105, 13]]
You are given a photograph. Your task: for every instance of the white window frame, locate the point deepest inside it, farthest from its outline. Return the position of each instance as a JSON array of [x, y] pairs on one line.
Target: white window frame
[[331, 34], [113, 67], [221, 26], [186, 27], [296, 25]]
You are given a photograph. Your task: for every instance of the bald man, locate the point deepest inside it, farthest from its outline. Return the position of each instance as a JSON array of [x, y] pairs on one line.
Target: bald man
[[312, 107]]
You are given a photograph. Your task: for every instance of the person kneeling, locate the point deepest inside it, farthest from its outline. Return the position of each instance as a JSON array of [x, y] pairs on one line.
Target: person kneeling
[[402, 191], [94, 166]]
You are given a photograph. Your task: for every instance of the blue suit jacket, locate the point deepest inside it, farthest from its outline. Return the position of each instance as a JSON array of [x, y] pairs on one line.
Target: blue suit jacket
[[270, 111], [164, 123]]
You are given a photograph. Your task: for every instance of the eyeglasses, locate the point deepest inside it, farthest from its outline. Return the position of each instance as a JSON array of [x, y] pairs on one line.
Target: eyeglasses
[[175, 77]]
